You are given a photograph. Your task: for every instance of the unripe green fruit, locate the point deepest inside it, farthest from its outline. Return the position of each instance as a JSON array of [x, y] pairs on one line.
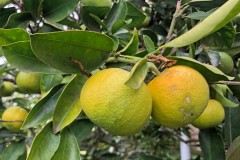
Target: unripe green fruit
[[7, 89], [97, 3], [28, 82], [225, 63]]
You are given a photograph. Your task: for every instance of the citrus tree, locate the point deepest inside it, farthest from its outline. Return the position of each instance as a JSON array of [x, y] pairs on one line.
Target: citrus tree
[[119, 79]]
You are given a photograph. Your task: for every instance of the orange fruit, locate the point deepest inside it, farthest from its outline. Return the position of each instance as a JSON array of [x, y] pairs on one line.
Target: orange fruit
[[180, 94], [15, 114], [112, 105], [212, 116]]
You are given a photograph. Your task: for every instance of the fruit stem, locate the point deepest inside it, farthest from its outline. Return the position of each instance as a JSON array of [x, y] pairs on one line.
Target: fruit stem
[[229, 83]]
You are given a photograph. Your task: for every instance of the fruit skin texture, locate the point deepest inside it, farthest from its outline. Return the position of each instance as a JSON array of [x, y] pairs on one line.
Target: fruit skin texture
[[97, 3], [28, 82], [7, 89], [14, 113], [225, 63], [180, 94], [112, 105], [212, 116]]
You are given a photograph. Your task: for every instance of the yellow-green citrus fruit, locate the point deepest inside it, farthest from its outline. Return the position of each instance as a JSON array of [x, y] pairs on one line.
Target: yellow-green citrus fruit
[[15, 114], [225, 63], [28, 82], [97, 3], [212, 116], [180, 94], [112, 105], [7, 89]]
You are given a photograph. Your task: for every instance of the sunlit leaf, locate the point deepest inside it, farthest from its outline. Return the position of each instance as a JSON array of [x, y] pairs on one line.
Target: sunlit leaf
[[68, 105], [138, 74]]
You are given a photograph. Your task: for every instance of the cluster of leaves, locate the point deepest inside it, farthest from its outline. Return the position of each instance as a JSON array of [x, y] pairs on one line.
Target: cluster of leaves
[[66, 41]]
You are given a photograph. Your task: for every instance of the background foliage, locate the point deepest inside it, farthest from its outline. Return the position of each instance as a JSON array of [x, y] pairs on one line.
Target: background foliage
[[51, 36]]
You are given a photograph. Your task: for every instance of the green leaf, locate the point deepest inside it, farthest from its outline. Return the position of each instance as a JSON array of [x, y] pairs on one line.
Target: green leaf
[[231, 122], [210, 73], [209, 25], [21, 56], [148, 43], [19, 20], [68, 148], [14, 151], [233, 152], [88, 20], [222, 39], [56, 49], [48, 81], [44, 145], [211, 144], [235, 49], [117, 12], [138, 74], [200, 15], [34, 7], [68, 105], [81, 129], [5, 13], [132, 46], [119, 24], [8, 36], [136, 15], [219, 95], [44, 109], [57, 10]]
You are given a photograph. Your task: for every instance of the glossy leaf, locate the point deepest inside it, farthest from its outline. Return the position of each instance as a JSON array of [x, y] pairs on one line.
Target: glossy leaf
[[231, 122], [233, 152], [135, 15], [57, 10], [68, 105], [222, 39], [48, 81], [219, 95], [34, 7], [210, 73], [21, 56], [211, 144], [68, 148], [132, 46], [19, 20], [119, 24], [81, 129], [44, 145], [44, 109], [14, 151], [5, 13], [148, 43], [209, 25], [235, 48], [117, 12], [8, 36], [138, 74], [56, 49]]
